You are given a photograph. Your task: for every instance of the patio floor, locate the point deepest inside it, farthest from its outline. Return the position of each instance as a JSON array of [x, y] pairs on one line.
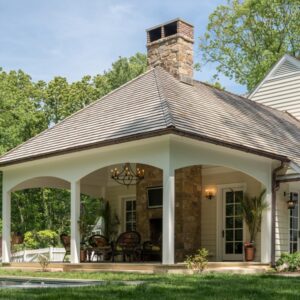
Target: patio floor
[[145, 268]]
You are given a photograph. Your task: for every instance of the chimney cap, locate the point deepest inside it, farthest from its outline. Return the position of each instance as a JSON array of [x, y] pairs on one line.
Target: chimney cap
[[171, 21]]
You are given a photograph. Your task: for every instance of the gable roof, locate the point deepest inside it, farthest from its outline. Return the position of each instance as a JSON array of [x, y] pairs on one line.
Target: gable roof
[[287, 65], [156, 103]]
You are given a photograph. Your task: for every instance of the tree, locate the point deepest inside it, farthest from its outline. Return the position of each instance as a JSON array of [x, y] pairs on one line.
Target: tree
[[246, 37], [63, 99], [21, 115], [27, 108]]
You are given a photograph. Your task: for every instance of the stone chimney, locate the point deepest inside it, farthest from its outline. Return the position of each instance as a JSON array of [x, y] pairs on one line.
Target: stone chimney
[[170, 45]]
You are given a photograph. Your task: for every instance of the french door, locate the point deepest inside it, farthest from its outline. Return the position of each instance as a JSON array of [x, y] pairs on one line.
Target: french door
[[294, 224], [233, 227]]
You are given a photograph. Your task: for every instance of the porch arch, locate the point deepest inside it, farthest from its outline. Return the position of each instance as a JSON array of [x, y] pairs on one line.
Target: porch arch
[[42, 182]]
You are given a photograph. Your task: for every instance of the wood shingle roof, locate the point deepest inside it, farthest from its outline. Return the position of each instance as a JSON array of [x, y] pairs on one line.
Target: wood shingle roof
[[156, 103]]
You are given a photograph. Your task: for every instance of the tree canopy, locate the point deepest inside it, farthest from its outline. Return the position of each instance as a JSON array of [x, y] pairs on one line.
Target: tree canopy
[[246, 37], [27, 108]]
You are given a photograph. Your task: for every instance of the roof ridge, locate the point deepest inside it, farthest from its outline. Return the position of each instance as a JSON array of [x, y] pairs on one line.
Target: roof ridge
[[164, 102], [75, 113]]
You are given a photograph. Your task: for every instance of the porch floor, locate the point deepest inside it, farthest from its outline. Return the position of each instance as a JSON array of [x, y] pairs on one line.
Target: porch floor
[[146, 268]]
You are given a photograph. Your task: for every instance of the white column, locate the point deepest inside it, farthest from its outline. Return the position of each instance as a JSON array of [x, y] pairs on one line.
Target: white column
[[6, 221], [168, 245], [75, 215], [266, 228]]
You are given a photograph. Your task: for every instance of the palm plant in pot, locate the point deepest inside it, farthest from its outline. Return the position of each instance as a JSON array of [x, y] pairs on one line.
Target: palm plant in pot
[[253, 208]]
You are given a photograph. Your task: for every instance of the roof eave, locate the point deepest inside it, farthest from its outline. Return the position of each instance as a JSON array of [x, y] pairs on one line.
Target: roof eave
[[159, 132]]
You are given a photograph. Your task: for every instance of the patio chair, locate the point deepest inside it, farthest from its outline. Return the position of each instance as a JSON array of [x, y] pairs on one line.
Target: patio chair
[[128, 245], [66, 241], [100, 247], [151, 251]]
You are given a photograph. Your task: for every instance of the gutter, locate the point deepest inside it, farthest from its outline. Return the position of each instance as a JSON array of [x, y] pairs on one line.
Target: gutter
[[139, 136]]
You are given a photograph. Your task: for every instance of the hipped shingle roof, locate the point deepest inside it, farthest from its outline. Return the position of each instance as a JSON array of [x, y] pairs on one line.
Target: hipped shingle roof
[[157, 103]]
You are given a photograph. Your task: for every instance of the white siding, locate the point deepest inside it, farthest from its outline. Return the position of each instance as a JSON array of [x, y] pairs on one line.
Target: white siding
[[282, 226], [281, 89], [209, 208]]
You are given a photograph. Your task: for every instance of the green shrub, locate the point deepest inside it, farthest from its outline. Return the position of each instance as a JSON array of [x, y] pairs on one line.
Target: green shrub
[[197, 262], [288, 262], [40, 239]]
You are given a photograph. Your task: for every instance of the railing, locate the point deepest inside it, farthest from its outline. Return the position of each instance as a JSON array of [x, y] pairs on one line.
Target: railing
[[54, 254]]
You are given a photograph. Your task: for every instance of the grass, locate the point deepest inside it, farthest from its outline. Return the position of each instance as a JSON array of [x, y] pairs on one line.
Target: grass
[[160, 287]]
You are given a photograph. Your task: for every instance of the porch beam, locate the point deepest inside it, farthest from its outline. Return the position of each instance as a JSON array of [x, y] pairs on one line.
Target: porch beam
[[6, 226], [75, 216], [168, 247]]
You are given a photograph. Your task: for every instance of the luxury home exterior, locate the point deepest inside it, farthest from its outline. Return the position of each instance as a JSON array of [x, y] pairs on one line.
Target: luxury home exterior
[[199, 146]]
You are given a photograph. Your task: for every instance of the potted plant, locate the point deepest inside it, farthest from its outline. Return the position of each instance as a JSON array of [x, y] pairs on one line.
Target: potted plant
[[252, 208]]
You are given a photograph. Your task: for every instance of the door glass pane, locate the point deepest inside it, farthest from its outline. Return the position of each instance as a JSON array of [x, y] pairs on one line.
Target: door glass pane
[[238, 222], [238, 248], [230, 210], [229, 197], [238, 209], [229, 235], [233, 223], [238, 196], [229, 248], [128, 205], [229, 222], [239, 235]]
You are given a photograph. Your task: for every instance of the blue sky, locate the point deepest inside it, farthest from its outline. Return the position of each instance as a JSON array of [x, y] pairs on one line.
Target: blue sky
[[73, 38]]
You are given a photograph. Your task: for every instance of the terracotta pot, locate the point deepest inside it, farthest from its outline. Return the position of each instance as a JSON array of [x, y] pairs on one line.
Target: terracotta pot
[[249, 252], [83, 255]]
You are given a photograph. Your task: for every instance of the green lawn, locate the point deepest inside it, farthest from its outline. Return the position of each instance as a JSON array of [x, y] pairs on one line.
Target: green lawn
[[207, 286]]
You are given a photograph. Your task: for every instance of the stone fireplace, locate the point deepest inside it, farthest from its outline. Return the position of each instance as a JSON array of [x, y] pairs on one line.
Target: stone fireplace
[[187, 209]]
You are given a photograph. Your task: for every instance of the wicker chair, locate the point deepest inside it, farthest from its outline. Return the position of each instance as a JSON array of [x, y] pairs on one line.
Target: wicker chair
[[66, 241], [151, 251], [127, 245], [100, 247]]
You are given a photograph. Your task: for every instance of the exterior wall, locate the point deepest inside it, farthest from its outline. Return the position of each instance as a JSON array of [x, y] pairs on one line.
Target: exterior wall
[[282, 225], [116, 195], [153, 177], [282, 93], [187, 211], [209, 214], [282, 222]]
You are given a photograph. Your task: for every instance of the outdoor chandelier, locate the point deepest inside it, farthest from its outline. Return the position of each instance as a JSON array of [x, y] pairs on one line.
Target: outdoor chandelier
[[127, 176]]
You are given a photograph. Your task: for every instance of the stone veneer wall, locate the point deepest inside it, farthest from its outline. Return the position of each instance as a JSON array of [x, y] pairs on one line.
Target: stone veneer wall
[[153, 177], [188, 182], [187, 208]]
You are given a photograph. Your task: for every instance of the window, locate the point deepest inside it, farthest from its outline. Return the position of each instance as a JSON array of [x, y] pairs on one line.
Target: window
[[155, 197], [294, 221], [130, 214]]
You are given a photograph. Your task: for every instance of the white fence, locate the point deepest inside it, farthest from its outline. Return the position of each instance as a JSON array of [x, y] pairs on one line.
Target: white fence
[[54, 254]]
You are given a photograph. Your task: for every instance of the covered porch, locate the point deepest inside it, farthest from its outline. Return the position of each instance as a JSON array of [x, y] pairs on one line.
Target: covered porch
[[185, 170]]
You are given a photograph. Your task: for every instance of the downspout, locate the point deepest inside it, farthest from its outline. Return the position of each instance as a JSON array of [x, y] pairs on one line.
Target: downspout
[[275, 186]]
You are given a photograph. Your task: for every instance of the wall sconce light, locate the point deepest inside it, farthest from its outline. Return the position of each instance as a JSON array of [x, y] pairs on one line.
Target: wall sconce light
[[292, 201], [210, 194]]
